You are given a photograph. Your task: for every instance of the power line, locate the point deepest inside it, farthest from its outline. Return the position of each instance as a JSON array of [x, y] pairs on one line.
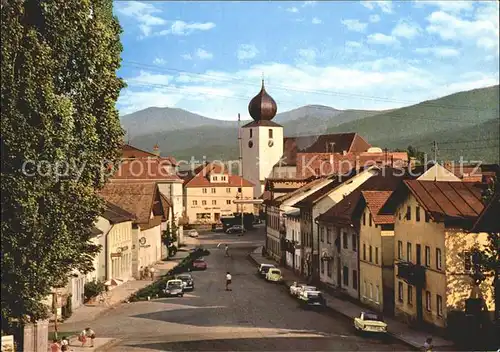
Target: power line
[[243, 81], [459, 142], [471, 148]]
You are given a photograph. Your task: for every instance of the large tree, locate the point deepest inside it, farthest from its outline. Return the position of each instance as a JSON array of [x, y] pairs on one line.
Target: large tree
[[59, 89]]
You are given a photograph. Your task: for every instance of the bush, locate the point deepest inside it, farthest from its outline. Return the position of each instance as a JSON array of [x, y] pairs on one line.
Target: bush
[[93, 289], [156, 288]]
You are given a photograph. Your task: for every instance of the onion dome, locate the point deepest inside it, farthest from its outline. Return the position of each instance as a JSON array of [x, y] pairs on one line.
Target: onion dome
[[262, 107]]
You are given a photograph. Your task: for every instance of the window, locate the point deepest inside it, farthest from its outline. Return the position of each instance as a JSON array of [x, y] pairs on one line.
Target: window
[[223, 178], [215, 178], [346, 276], [355, 279], [400, 291], [371, 220], [201, 216], [228, 202], [322, 266], [203, 202], [195, 202], [271, 133], [427, 217], [428, 301], [427, 256], [417, 214], [370, 294], [344, 240], [376, 255], [400, 250], [410, 294], [228, 190], [214, 202], [439, 263], [251, 133], [364, 218], [439, 305], [213, 190], [329, 268], [364, 251], [322, 234], [328, 236], [354, 243], [377, 293], [204, 190], [408, 213], [408, 251], [370, 253]]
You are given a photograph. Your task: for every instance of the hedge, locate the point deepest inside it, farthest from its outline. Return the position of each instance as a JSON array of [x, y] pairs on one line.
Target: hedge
[[156, 288]]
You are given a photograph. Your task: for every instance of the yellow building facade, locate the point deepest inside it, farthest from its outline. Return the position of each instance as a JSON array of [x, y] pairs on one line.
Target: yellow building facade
[[437, 254]]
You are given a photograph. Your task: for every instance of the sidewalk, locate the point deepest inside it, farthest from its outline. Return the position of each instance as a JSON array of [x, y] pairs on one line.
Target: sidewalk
[[398, 330]]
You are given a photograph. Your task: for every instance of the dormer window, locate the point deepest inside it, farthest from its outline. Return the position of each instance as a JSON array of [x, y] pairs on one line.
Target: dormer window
[[251, 133], [215, 178]]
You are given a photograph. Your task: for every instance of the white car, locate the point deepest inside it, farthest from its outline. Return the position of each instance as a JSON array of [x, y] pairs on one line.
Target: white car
[[370, 322], [264, 268], [298, 289], [193, 233]]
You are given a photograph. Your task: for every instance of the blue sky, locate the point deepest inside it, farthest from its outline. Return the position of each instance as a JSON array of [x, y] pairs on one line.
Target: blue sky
[[209, 57]]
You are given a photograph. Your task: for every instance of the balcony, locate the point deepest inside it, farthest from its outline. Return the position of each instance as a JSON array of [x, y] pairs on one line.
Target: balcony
[[411, 273]]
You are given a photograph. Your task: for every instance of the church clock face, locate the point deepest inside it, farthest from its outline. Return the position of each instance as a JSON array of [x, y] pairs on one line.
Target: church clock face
[[270, 143], [250, 144]]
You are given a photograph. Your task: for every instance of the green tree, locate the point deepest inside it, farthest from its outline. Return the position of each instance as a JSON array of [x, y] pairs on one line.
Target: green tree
[[415, 153], [59, 88], [169, 237]]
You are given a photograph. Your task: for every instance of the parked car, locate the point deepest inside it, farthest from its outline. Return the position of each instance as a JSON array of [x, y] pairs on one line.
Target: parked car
[[187, 281], [174, 288], [199, 264], [274, 275], [264, 268], [296, 289], [312, 299], [193, 233], [370, 322], [236, 229]]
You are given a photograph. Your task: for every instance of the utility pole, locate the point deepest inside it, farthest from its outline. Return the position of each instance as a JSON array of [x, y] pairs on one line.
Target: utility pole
[[435, 150], [241, 166], [54, 303]]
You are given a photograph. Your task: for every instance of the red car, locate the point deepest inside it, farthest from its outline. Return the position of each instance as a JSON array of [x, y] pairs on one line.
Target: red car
[[199, 264]]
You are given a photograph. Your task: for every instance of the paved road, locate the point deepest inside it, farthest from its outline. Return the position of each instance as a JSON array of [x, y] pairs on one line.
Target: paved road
[[254, 316]]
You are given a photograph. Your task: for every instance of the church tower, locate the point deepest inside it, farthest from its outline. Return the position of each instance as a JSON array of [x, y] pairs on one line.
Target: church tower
[[262, 141]]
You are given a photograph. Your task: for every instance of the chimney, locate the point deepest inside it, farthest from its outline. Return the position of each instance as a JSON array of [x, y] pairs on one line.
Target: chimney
[[156, 150]]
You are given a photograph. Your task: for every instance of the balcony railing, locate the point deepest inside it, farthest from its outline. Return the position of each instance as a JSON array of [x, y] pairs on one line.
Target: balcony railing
[[413, 274]]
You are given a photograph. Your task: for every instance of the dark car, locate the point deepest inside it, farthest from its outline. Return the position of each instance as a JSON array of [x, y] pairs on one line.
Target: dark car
[[187, 281], [312, 299], [236, 229]]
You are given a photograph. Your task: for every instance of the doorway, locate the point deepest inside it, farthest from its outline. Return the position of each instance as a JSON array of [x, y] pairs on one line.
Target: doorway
[[217, 217]]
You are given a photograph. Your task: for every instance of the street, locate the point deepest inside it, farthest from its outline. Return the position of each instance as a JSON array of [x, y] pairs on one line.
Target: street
[[255, 315]]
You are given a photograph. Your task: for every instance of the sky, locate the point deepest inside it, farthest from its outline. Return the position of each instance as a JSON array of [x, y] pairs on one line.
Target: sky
[[209, 57]]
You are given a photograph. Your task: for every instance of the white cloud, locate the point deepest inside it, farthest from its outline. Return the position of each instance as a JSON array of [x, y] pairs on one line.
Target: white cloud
[[292, 9], [385, 6], [307, 55], [184, 28], [187, 56], [353, 44], [448, 6], [406, 30], [203, 54], [374, 18], [354, 25], [482, 29], [148, 78], [308, 3], [143, 13], [440, 52], [159, 61], [247, 51], [382, 39], [316, 20]]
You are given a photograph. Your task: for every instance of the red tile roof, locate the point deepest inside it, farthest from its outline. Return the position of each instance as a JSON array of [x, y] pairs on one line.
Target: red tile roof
[[136, 198], [305, 188], [202, 177], [146, 169], [374, 201], [115, 215], [131, 152], [337, 143]]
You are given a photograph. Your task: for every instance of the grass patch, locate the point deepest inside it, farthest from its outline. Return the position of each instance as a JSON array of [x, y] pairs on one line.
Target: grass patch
[[60, 335], [156, 288]]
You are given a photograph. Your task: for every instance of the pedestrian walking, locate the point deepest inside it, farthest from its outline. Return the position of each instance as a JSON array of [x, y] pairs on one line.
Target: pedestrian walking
[[428, 345], [146, 272], [54, 346], [152, 272], [86, 334], [226, 250], [228, 281], [141, 273], [64, 344]]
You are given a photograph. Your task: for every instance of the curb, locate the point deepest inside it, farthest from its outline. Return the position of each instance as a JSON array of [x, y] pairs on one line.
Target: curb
[[397, 337]]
